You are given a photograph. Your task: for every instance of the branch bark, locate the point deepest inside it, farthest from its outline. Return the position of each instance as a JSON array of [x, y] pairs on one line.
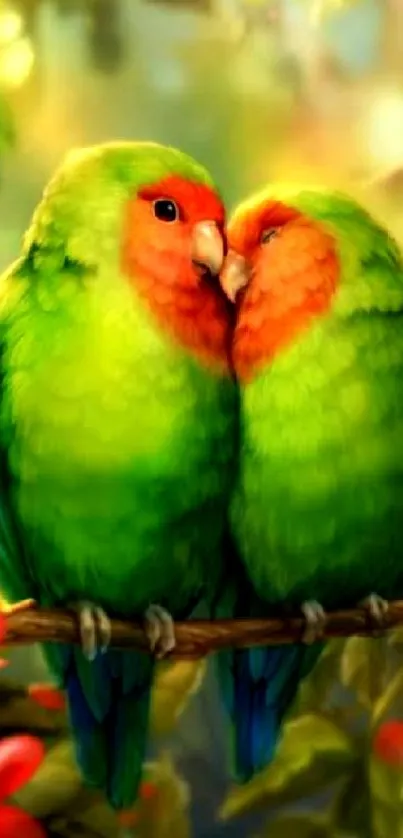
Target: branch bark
[[24, 624]]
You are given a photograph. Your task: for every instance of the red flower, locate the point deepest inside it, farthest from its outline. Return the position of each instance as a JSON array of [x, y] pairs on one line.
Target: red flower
[[3, 626], [20, 757], [14, 823], [47, 696], [388, 743]]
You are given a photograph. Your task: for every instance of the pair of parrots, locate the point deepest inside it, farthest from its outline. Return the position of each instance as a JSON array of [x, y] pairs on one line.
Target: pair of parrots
[[193, 410]]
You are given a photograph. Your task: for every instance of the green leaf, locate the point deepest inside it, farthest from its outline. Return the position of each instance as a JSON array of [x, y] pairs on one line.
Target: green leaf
[[54, 786], [57, 796], [97, 817], [315, 690], [166, 815], [351, 807], [331, 821], [312, 753], [310, 736], [386, 782], [362, 666], [307, 826], [19, 712], [174, 685], [89, 817], [387, 822], [395, 638], [387, 701], [297, 826]]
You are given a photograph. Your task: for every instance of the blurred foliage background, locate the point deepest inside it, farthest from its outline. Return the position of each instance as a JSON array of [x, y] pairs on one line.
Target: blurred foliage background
[[258, 90]]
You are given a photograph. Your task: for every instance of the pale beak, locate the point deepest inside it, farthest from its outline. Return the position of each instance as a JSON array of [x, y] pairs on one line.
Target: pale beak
[[207, 247], [234, 275]]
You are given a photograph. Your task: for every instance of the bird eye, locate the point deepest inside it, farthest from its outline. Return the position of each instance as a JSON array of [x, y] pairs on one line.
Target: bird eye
[[268, 235], [165, 210]]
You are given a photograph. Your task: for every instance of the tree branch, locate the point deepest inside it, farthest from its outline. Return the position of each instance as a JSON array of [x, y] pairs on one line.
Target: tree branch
[[24, 624]]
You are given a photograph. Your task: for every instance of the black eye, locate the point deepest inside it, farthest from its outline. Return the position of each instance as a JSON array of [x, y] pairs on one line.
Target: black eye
[[165, 210], [268, 235]]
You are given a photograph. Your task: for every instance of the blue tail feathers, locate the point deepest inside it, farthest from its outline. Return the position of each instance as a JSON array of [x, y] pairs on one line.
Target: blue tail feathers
[[258, 686], [264, 685], [109, 706]]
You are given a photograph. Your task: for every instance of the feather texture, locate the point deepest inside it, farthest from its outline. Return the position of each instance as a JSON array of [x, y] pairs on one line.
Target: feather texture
[[117, 445], [317, 508]]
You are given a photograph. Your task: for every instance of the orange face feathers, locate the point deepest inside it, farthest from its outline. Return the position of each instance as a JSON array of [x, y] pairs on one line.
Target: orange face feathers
[[246, 231], [293, 272], [173, 241]]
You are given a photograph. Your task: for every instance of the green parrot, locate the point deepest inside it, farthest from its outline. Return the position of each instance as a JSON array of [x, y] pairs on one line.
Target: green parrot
[[317, 510], [117, 409]]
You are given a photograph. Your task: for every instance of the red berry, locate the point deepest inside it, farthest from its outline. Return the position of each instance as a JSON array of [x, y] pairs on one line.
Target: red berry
[[15, 823], [128, 817], [388, 743], [20, 757], [148, 790], [47, 696]]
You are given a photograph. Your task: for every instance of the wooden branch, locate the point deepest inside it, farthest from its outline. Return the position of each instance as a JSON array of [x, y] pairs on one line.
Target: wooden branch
[[24, 624]]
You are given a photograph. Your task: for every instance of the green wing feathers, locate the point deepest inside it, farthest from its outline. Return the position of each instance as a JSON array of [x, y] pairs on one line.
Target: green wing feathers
[[321, 491]]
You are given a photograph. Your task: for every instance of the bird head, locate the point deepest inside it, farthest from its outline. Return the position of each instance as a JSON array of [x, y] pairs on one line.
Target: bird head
[[298, 255], [147, 215]]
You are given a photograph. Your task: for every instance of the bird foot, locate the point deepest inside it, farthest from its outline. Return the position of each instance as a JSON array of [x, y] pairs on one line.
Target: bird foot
[[160, 630], [94, 627], [377, 610], [315, 617]]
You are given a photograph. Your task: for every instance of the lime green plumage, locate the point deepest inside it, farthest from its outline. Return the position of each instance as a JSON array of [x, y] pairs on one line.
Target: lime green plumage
[[103, 396], [321, 494], [317, 512], [117, 443]]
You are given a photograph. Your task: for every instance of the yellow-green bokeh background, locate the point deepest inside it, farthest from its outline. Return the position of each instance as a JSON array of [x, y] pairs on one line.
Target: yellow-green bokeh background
[[306, 90]]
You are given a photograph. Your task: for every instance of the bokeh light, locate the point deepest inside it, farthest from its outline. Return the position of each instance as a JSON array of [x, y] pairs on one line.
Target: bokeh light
[[382, 131], [258, 89], [16, 62], [11, 25]]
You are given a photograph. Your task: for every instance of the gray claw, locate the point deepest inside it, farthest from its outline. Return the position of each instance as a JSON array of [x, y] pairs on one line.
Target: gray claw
[[160, 630], [377, 609], [95, 629], [315, 617]]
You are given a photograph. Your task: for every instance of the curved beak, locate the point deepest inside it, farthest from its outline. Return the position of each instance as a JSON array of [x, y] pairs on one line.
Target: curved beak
[[235, 275], [207, 247]]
